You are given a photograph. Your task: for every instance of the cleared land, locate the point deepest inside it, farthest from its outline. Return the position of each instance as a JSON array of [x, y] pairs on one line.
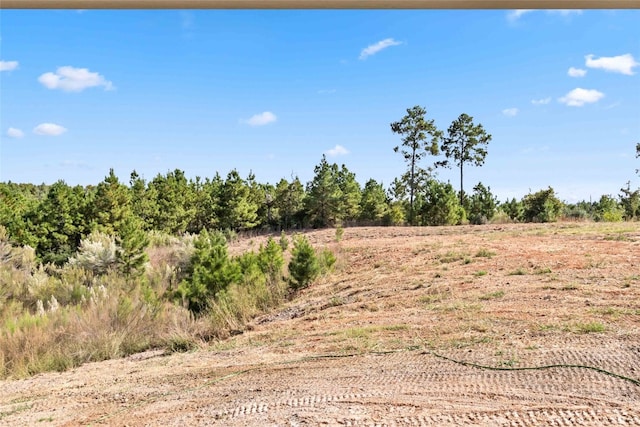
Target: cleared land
[[364, 345]]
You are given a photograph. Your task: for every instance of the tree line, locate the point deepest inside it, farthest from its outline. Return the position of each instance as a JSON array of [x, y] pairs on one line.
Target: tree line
[[53, 219]]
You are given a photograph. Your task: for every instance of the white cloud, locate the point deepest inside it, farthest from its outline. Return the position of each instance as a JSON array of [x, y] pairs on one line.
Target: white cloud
[[514, 15], [578, 97], [326, 91], [50, 129], [14, 133], [261, 119], [377, 47], [8, 65], [338, 150], [622, 64], [576, 72], [542, 101], [72, 79], [510, 112], [565, 12]]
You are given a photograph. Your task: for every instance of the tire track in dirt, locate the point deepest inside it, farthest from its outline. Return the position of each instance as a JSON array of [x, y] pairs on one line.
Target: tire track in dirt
[[411, 388]]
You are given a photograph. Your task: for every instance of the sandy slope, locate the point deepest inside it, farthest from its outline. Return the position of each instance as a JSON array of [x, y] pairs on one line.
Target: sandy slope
[[362, 346]]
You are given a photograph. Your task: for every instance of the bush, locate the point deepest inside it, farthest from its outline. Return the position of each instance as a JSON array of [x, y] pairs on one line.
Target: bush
[[270, 260], [608, 210], [542, 206], [304, 266], [481, 205], [440, 205], [97, 253], [211, 271]]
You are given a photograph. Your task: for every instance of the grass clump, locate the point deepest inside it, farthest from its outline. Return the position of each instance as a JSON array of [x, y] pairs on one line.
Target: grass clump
[[484, 253], [492, 295], [590, 327]]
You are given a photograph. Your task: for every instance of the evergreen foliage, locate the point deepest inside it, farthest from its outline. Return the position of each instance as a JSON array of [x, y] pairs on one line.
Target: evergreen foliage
[[210, 272], [304, 266], [420, 137], [542, 206]]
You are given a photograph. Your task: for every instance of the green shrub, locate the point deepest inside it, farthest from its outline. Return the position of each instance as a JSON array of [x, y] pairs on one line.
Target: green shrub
[[304, 266], [270, 260], [210, 272], [481, 205], [327, 260], [284, 242], [542, 206], [608, 209]]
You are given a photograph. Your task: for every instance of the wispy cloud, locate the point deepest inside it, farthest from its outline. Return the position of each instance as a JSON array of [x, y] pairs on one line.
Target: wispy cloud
[[542, 101], [377, 47], [576, 72], [564, 12], [622, 64], [510, 112], [8, 65], [516, 14], [579, 97], [49, 129], [326, 91], [72, 79], [338, 150], [14, 133], [261, 119]]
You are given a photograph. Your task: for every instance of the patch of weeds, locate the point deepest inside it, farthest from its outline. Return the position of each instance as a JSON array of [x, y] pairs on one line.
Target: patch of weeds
[[395, 328], [519, 272], [339, 233], [335, 301], [569, 287], [467, 260], [618, 237], [45, 419], [480, 273], [468, 342], [455, 306], [547, 327], [590, 327], [479, 327], [608, 311], [450, 257], [15, 410], [492, 295], [484, 253], [432, 298], [531, 347], [510, 363], [180, 344], [545, 270], [437, 276]]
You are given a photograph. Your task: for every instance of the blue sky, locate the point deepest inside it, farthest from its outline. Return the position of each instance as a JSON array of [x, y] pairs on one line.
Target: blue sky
[[271, 91]]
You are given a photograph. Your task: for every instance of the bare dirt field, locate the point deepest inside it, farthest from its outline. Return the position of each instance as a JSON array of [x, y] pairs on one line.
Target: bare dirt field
[[496, 325]]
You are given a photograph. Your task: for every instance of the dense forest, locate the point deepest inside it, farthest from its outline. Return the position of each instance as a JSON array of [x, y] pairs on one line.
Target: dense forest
[[99, 271]]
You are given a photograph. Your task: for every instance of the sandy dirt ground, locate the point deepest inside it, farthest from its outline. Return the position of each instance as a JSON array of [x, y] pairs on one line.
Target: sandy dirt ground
[[495, 325]]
